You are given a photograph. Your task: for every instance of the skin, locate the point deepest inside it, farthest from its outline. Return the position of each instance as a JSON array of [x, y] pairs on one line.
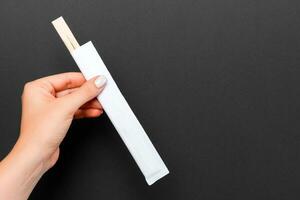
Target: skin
[[48, 107]]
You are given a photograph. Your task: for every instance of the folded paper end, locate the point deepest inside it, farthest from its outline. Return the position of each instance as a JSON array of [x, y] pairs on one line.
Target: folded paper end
[[156, 176]]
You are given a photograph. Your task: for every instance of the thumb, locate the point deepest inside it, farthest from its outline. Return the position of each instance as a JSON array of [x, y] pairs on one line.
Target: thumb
[[88, 91]]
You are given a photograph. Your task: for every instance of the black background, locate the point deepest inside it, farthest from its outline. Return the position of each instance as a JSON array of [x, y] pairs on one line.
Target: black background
[[215, 84]]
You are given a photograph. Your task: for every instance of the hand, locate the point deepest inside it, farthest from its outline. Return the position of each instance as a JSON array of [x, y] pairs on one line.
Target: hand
[[48, 107]]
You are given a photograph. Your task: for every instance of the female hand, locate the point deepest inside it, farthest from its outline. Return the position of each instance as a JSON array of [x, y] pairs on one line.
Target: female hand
[[48, 107]]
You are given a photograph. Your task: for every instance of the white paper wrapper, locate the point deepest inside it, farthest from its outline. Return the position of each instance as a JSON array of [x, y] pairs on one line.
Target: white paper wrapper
[[121, 115]]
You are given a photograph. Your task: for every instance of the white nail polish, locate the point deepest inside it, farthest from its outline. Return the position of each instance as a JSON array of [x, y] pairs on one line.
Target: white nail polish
[[100, 81]]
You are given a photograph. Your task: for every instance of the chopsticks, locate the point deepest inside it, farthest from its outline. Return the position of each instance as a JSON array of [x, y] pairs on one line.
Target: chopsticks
[[65, 34]]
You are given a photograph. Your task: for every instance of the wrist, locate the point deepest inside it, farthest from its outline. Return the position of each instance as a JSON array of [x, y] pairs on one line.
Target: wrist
[[19, 172], [40, 152], [32, 154]]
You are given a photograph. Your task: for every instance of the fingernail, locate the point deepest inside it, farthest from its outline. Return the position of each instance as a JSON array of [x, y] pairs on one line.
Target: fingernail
[[100, 81]]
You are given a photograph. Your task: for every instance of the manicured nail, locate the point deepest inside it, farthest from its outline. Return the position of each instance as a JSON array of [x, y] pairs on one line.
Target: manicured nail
[[100, 81]]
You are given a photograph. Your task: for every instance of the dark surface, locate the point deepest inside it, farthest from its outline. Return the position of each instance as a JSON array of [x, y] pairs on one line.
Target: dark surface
[[215, 84]]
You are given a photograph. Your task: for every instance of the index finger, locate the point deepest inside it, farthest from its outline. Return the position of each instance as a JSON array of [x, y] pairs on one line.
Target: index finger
[[60, 82]]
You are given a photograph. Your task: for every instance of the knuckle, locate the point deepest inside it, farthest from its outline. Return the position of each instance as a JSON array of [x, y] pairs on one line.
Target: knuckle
[[27, 86], [28, 89]]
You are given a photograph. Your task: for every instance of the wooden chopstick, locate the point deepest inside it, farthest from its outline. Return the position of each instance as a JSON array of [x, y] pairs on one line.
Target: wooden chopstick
[[65, 34]]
